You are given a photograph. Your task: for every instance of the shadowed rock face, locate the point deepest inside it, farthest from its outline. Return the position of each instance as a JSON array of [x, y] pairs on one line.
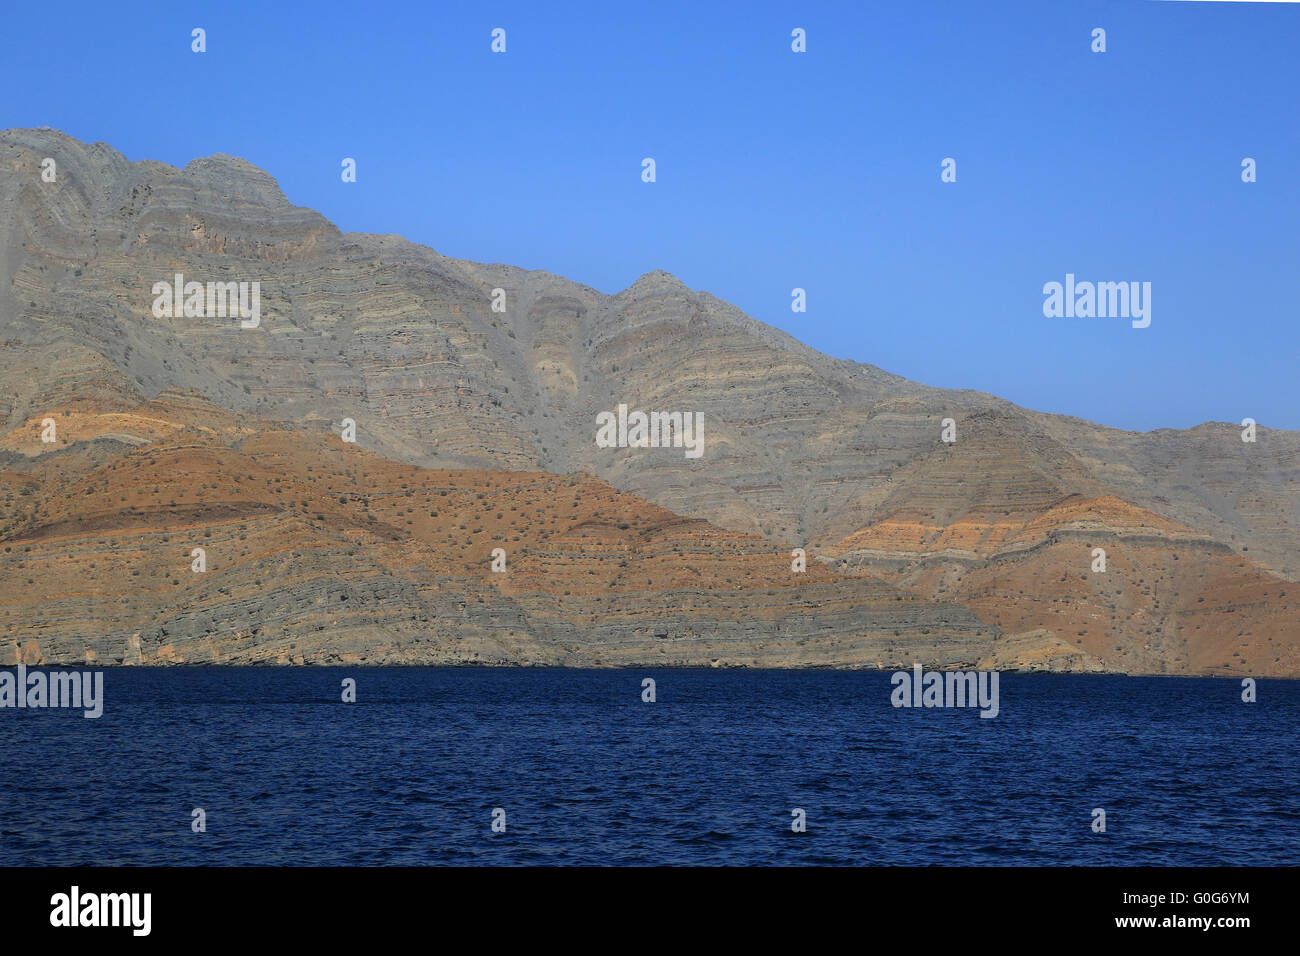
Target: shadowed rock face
[[800, 449]]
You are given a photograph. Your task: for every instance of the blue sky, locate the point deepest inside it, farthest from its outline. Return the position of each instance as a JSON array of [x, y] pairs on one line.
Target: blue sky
[[776, 170]]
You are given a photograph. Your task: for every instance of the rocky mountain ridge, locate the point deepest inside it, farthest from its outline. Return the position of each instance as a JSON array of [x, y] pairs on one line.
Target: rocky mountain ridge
[[802, 450]]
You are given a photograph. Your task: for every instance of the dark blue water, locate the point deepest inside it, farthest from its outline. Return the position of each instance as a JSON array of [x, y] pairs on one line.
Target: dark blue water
[[588, 773]]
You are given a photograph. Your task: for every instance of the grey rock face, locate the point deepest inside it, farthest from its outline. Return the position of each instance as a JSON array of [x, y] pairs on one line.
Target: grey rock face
[[800, 448]]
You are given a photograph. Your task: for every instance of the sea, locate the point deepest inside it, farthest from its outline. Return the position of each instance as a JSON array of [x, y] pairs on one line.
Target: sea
[[526, 766]]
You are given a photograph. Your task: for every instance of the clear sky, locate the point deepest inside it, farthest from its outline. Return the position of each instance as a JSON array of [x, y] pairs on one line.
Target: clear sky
[[775, 170]]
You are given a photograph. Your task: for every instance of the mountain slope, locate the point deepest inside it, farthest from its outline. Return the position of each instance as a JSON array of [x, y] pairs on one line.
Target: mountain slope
[[316, 551], [800, 448]]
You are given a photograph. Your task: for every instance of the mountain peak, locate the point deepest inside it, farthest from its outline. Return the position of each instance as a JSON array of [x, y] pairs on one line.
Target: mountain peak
[[236, 177], [657, 280]]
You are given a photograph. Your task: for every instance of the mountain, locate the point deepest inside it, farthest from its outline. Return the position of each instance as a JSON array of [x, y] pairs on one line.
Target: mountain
[[978, 551]]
